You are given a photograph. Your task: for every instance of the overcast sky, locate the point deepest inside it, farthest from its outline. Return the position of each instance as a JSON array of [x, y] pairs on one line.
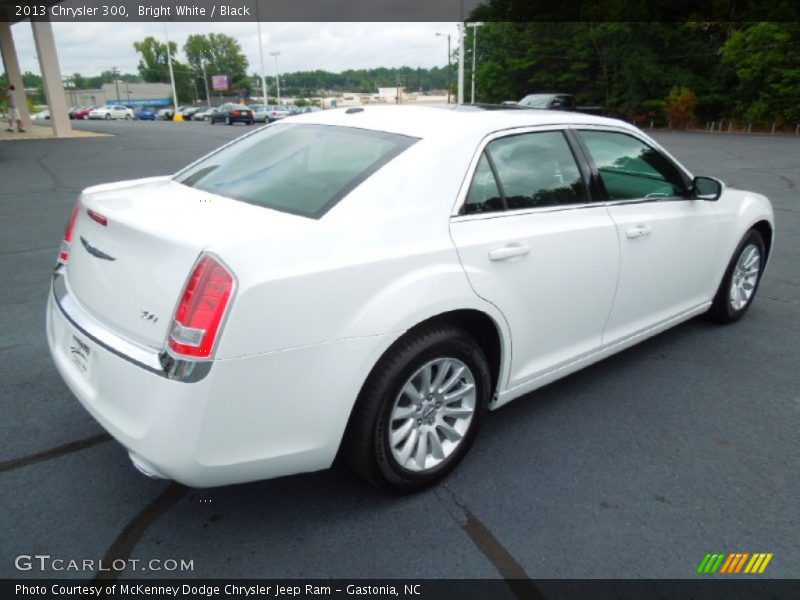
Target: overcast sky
[[90, 48]]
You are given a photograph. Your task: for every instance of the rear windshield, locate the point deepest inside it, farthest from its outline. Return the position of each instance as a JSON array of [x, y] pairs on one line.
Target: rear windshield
[[300, 169]]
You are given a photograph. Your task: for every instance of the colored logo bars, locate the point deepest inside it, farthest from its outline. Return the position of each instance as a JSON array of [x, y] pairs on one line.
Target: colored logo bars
[[734, 562]]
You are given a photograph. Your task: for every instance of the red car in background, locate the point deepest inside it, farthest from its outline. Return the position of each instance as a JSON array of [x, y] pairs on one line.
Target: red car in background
[[82, 113]]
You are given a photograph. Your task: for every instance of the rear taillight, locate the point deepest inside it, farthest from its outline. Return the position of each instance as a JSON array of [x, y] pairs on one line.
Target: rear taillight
[[235, 113], [63, 253], [202, 308]]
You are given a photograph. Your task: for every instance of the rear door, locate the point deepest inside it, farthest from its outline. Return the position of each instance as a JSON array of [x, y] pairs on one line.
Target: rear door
[[668, 243], [534, 244]]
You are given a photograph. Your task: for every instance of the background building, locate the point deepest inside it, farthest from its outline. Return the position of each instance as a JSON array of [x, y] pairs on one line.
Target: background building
[[121, 92]]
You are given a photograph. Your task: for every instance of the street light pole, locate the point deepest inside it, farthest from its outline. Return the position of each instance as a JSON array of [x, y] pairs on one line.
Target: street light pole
[[449, 70], [276, 54], [171, 74], [261, 56], [474, 27], [205, 81], [461, 63], [116, 82]]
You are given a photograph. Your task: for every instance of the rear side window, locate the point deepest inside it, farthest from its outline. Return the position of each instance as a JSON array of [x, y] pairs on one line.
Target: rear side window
[[483, 195], [630, 169], [299, 169]]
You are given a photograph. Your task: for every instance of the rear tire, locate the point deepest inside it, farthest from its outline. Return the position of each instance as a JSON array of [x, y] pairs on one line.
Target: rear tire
[[740, 282], [405, 434], [228, 121]]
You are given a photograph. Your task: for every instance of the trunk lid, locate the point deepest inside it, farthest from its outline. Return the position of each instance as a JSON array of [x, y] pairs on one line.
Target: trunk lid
[[129, 273]]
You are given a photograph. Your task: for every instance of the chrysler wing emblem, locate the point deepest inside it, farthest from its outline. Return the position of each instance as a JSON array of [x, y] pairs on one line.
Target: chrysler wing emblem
[[94, 251]]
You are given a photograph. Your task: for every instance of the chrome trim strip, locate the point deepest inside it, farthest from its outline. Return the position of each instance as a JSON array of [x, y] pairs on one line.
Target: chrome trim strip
[[525, 211], [150, 359]]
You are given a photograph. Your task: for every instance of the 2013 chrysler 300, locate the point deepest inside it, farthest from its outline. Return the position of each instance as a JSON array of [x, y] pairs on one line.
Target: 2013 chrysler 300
[[368, 282]]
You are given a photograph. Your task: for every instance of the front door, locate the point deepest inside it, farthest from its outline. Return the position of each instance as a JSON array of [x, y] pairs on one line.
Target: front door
[[668, 243]]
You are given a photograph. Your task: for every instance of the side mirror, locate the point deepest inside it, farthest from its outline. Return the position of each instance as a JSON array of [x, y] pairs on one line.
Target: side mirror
[[706, 188]]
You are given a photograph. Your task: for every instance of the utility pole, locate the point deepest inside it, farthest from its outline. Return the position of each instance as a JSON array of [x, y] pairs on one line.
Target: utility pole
[[276, 54], [474, 27], [116, 81], [461, 63], [171, 74]]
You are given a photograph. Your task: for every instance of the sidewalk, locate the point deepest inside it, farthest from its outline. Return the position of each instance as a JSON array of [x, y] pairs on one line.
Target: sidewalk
[[39, 132]]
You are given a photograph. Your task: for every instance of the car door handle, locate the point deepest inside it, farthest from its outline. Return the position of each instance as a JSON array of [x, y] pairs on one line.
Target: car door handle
[[638, 231], [509, 251]]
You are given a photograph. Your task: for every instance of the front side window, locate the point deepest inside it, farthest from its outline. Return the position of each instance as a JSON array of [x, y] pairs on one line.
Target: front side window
[[630, 169], [299, 169]]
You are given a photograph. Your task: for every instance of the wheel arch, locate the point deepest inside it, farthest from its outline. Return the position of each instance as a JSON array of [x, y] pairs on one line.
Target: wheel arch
[[764, 227], [488, 333]]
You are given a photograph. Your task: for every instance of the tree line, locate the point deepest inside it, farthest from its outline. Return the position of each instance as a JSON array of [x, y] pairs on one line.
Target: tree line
[[681, 73]]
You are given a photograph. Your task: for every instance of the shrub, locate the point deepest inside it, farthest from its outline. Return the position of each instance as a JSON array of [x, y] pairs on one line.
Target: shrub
[[679, 107]]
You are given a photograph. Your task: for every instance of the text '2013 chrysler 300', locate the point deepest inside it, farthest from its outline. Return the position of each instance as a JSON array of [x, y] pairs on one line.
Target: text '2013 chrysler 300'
[[369, 283]]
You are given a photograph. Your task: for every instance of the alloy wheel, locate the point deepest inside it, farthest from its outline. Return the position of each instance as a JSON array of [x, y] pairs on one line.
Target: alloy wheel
[[745, 277], [432, 414]]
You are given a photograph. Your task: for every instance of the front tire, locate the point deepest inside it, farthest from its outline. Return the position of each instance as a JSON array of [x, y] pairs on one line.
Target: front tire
[[741, 280], [420, 410]]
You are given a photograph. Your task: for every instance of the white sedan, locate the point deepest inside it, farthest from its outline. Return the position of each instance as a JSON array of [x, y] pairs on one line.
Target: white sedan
[[376, 279], [112, 112]]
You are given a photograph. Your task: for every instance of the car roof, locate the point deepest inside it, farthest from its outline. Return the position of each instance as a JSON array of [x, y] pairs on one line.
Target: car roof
[[432, 120]]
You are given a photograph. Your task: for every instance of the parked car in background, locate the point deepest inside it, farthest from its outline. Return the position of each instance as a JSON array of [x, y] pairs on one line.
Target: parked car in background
[[233, 322], [232, 113], [259, 112], [188, 112], [202, 114], [276, 112], [42, 115], [82, 113], [145, 113], [307, 109], [557, 102], [112, 112]]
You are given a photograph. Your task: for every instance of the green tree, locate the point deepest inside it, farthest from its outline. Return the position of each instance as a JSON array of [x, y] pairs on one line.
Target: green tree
[[766, 59], [154, 67], [222, 54]]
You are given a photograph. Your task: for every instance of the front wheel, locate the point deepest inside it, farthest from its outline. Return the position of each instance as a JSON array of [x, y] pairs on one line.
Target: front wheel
[[740, 283], [108, 117], [419, 410], [127, 117]]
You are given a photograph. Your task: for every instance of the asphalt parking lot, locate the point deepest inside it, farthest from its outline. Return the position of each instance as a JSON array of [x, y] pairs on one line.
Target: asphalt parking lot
[[633, 468]]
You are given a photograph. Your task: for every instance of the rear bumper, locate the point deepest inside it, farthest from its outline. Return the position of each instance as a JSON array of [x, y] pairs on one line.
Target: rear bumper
[[248, 418]]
